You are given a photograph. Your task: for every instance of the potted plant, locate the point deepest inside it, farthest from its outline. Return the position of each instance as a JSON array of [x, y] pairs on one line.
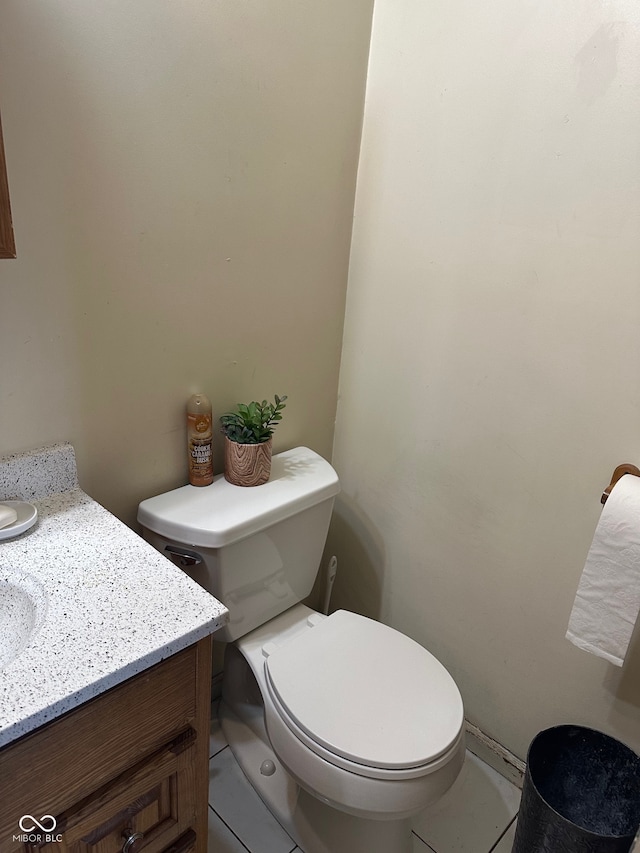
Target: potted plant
[[247, 441]]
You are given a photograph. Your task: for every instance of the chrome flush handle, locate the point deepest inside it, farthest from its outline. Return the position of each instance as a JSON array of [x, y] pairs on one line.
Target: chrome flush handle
[[183, 557]]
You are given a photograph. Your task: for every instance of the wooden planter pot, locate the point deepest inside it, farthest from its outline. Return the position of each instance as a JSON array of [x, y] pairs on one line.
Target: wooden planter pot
[[247, 464]]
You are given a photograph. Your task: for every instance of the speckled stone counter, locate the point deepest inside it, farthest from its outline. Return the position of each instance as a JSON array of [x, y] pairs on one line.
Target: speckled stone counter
[[110, 605]]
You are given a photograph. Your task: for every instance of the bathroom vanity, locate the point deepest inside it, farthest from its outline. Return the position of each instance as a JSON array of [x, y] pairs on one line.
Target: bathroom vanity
[[127, 771], [105, 674]]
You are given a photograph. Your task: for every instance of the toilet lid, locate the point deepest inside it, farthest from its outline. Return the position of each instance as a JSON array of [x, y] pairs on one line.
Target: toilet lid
[[367, 693]]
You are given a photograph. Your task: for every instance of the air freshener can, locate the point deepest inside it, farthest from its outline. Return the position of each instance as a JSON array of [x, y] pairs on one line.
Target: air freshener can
[[199, 440]]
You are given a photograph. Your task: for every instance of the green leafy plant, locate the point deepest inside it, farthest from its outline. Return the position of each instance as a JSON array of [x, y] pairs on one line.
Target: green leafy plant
[[253, 423]]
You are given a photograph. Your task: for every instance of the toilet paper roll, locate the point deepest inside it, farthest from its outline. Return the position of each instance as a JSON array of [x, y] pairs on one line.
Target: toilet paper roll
[[608, 598]]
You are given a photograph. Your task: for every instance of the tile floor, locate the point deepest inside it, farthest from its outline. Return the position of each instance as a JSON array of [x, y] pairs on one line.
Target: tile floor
[[476, 816]]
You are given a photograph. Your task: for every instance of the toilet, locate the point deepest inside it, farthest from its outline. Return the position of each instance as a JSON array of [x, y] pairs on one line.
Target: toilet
[[345, 727]]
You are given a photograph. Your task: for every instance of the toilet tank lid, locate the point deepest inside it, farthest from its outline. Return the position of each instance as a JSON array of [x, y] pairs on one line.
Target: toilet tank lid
[[219, 514]]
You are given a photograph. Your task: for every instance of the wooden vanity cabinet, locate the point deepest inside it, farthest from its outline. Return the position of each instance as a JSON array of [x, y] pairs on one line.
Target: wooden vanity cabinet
[[127, 771]]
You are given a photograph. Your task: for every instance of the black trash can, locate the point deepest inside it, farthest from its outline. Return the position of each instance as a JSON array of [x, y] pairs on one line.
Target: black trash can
[[581, 794]]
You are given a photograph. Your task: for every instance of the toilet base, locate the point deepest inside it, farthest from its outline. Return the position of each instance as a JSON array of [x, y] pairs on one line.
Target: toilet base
[[313, 825]]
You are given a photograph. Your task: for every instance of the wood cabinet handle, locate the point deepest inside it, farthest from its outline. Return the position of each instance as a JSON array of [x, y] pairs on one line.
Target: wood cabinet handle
[[131, 838]]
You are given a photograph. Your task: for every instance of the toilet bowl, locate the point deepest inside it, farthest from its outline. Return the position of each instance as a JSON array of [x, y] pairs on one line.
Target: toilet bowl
[[344, 726], [360, 715]]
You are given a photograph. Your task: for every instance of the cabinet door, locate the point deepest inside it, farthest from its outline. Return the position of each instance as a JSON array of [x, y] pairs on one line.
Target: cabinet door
[[148, 809]]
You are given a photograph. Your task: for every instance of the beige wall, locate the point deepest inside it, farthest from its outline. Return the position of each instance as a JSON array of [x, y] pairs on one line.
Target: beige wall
[[182, 186], [490, 374], [182, 179]]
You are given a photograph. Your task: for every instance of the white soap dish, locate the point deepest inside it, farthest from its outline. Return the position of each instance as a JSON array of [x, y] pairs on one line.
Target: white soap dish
[[27, 517]]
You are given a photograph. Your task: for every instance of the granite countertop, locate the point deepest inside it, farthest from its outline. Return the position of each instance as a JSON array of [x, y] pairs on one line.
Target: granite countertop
[[113, 606]]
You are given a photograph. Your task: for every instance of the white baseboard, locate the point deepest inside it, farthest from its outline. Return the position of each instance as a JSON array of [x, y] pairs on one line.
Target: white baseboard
[[494, 754]]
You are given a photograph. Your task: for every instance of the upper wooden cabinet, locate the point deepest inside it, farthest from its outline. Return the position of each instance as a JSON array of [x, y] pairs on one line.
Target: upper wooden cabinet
[[7, 244]]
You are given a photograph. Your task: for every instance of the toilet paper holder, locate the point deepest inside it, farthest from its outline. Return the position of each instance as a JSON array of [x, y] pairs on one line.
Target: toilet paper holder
[[620, 471]]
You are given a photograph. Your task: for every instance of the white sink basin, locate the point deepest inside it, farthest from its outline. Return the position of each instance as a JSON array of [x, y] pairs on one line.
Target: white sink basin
[[23, 607]]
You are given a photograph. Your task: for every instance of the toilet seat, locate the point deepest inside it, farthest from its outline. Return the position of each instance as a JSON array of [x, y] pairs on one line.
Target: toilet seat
[[365, 697]]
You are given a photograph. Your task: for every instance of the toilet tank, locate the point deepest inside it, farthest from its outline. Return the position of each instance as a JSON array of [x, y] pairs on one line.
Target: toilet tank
[[257, 549]]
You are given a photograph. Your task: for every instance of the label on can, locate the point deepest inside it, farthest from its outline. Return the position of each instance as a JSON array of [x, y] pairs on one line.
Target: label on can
[[200, 449]]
